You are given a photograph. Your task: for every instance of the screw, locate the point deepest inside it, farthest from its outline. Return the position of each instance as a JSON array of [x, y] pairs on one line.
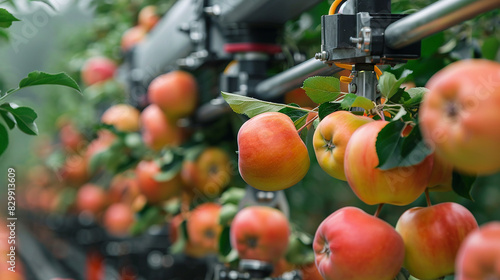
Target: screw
[[323, 56], [356, 40], [352, 88]]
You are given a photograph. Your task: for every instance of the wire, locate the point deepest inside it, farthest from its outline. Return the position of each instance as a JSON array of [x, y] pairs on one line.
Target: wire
[[333, 7]]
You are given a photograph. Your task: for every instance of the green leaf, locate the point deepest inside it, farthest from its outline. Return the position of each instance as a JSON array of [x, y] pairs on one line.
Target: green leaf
[[4, 139], [431, 44], [183, 237], [6, 18], [353, 100], [490, 47], [224, 242], [227, 213], [8, 118], [300, 250], [322, 89], [253, 107], [327, 108], [297, 115], [24, 116], [462, 184], [416, 94], [389, 85], [388, 144], [171, 164], [148, 217], [399, 114], [232, 196], [42, 78], [393, 150]]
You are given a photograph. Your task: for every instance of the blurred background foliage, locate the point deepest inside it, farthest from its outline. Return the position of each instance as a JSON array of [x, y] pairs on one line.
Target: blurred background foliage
[[76, 30]]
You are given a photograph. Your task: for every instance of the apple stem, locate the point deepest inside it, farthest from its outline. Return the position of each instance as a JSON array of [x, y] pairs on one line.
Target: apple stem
[[379, 209], [306, 124], [381, 114], [428, 197]]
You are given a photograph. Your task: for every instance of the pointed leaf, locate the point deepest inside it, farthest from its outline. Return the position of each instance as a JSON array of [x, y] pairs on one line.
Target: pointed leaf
[[42, 78], [6, 18], [353, 100], [462, 184], [4, 139], [322, 89], [389, 85], [327, 108], [400, 114], [416, 95], [8, 118], [224, 242], [171, 164], [298, 116], [414, 147], [25, 117], [388, 145], [253, 107]]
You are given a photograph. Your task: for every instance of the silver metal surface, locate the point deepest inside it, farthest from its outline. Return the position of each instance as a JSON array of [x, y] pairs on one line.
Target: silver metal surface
[[434, 18], [293, 78]]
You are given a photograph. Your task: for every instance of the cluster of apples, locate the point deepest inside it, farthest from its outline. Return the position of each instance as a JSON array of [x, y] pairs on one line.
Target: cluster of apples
[[146, 20], [456, 117]]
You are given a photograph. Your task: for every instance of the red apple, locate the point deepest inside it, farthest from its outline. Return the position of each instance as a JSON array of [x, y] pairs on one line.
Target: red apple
[[203, 230], [124, 188], [458, 114], [123, 117], [398, 186], [432, 236], [298, 96], [208, 174], [98, 69], [176, 93], [479, 255], [260, 233], [158, 131], [330, 140], [352, 245], [74, 170], [118, 219], [271, 154], [441, 176], [91, 198], [155, 191]]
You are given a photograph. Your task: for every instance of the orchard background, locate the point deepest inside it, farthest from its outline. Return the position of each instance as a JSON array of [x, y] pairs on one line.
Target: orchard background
[[60, 36]]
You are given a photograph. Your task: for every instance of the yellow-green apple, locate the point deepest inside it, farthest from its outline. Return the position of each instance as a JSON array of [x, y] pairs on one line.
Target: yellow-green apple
[[441, 176], [158, 131], [209, 173], [118, 219], [203, 230], [458, 114], [260, 233], [352, 245], [176, 93], [271, 155], [398, 186], [123, 117], [148, 17], [91, 198], [132, 37], [432, 237], [479, 255], [98, 69], [330, 140], [155, 191]]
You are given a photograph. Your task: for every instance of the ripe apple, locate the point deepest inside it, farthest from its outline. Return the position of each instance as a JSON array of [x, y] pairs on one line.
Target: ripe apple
[[260, 233], [98, 69], [148, 17], [432, 237], [132, 37], [479, 255], [173, 228], [352, 245], [118, 219], [124, 188], [208, 174], [158, 131], [330, 140], [74, 170], [271, 154], [176, 93], [441, 176], [310, 272], [458, 113], [155, 191], [123, 117], [72, 140], [398, 186], [203, 230], [91, 198]]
